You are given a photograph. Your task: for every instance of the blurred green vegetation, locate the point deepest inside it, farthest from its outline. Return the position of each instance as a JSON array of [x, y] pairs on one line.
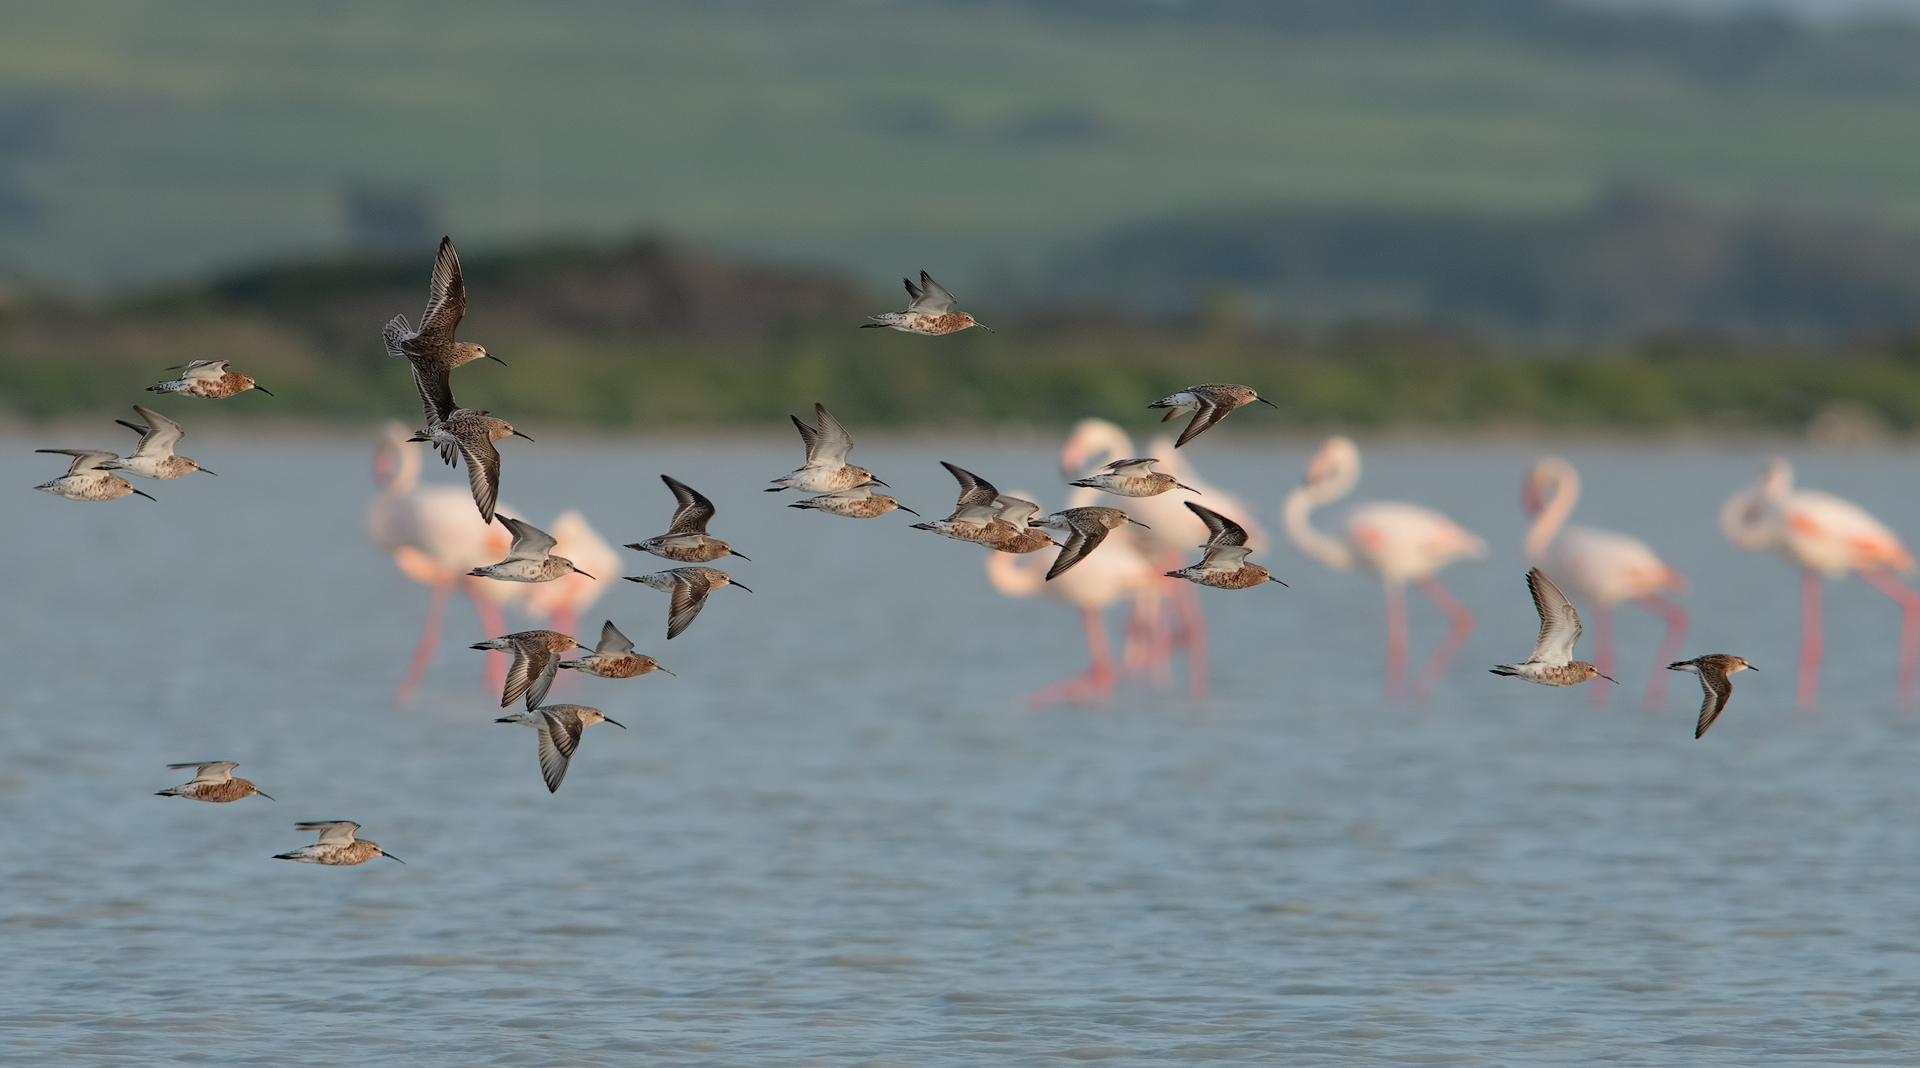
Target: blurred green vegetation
[[1036, 372], [141, 140]]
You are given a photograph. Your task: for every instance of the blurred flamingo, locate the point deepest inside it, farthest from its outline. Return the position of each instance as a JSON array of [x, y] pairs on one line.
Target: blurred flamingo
[[1601, 566], [1118, 569], [1401, 542], [1176, 533], [436, 536], [563, 600], [1826, 537]]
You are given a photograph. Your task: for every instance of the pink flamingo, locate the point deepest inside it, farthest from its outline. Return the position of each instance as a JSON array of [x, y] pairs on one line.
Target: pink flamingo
[[436, 536], [1401, 542], [1117, 569], [1601, 566], [563, 600], [1826, 537], [1175, 534]]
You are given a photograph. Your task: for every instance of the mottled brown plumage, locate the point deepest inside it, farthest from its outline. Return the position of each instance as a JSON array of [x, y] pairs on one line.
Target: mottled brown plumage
[[686, 539], [1085, 529], [337, 845], [536, 658], [208, 379], [856, 503], [1715, 686], [690, 587], [471, 435], [1210, 404], [1223, 563], [927, 311], [614, 657], [432, 350], [1552, 662], [87, 479], [213, 780]]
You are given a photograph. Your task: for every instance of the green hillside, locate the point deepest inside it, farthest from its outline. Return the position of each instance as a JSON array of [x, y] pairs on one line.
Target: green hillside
[[141, 140]]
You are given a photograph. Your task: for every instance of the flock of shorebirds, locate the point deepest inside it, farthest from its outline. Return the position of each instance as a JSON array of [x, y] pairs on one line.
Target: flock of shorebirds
[[1402, 542]]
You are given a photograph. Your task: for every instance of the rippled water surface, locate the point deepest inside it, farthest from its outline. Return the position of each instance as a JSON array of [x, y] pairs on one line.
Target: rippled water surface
[[837, 837]]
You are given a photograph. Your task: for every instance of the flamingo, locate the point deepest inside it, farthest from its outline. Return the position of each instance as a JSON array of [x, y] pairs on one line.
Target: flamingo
[[436, 537], [1601, 566], [1826, 537], [1118, 570], [1174, 533], [1398, 541], [565, 599]]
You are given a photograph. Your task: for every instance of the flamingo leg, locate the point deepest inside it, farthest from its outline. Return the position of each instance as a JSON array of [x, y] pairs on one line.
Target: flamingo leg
[[429, 644], [1396, 638], [1810, 640], [1909, 602], [1095, 682], [1144, 651], [1194, 624], [1459, 627], [1599, 691], [494, 624], [1670, 644]]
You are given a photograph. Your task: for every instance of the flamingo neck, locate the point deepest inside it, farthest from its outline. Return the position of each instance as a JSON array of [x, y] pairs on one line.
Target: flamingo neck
[[1295, 514], [406, 472], [1547, 524], [1094, 443]]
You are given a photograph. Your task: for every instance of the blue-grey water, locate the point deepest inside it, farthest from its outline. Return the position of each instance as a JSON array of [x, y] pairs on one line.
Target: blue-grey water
[[838, 838]]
